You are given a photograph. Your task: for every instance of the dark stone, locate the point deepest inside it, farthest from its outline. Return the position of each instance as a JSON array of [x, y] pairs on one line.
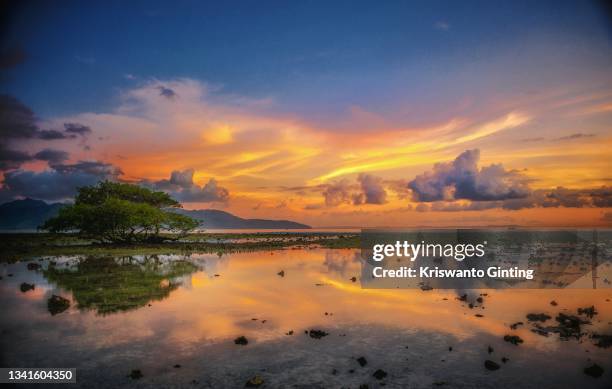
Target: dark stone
[[553, 303], [538, 317], [354, 279], [504, 359], [604, 341], [514, 339], [479, 300], [177, 366], [490, 349], [569, 326], [588, 311], [24, 287], [362, 361], [241, 340], [33, 266], [289, 333], [254, 382], [490, 365], [594, 370], [515, 325], [317, 334], [379, 374], [281, 273], [57, 304], [135, 374]]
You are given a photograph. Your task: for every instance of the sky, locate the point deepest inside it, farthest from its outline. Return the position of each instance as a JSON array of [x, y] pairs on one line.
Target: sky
[[327, 113]]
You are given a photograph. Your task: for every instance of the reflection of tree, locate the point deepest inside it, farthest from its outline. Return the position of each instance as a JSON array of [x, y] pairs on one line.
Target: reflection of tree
[[109, 285]]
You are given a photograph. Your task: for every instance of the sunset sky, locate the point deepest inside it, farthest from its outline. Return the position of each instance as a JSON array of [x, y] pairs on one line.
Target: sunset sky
[[343, 114]]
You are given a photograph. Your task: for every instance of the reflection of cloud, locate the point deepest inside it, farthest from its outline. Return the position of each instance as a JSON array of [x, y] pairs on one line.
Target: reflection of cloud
[[344, 264]]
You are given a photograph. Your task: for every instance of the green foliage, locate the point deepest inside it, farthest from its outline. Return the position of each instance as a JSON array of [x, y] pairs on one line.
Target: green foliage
[[110, 285], [121, 213]]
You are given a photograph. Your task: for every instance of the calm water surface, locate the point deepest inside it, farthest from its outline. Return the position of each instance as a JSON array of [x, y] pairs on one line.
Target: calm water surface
[[154, 312]]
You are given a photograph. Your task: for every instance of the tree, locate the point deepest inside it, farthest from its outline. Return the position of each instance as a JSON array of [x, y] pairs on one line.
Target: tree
[[121, 213]]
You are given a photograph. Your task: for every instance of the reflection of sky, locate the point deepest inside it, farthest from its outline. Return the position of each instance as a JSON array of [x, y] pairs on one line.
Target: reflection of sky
[[211, 311]]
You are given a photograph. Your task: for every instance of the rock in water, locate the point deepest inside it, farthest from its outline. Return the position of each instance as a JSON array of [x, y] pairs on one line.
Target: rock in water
[[254, 382], [490, 365], [281, 273], [362, 361], [241, 340], [538, 317], [588, 311], [594, 370], [514, 339], [317, 334], [57, 304], [379, 374], [25, 287], [135, 374], [33, 266]]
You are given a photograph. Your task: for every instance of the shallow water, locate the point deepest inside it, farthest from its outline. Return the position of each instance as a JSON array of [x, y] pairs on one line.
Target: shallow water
[[151, 313]]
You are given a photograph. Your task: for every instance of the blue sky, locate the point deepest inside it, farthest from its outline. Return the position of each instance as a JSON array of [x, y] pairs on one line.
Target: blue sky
[[314, 58]]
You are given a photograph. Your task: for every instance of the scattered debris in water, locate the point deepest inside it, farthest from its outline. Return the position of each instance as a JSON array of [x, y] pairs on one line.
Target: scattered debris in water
[[57, 304], [317, 334], [241, 340], [379, 374], [542, 317], [604, 341], [24, 287], [135, 374], [254, 382], [588, 311], [594, 370], [514, 339], [33, 266], [490, 365]]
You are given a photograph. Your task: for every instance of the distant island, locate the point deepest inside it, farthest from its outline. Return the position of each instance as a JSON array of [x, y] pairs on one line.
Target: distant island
[[215, 219], [28, 214]]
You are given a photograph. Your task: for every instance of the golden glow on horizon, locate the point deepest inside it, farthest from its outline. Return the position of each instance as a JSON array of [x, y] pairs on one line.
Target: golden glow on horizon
[[257, 156]]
